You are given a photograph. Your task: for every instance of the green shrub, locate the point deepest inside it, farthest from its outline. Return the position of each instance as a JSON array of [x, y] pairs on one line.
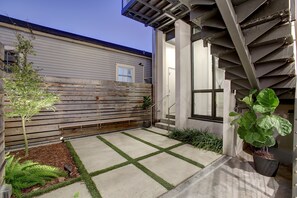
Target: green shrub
[[257, 125], [27, 174], [198, 138], [147, 102]]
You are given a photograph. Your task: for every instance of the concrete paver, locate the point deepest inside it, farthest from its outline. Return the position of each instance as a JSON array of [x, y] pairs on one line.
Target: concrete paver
[[232, 179], [96, 155], [69, 191], [201, 156], [170, 168], [127, 182], [156, 139], [129, 145]]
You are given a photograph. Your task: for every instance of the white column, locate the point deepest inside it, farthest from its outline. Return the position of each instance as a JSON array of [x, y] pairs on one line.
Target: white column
[[159, 73], [182, 73], [232, 144]]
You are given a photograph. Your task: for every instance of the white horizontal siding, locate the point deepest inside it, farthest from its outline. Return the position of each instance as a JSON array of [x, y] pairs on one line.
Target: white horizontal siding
[[67, 59]]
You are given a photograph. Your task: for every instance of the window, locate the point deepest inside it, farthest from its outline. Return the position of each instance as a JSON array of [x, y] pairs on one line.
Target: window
[[125, 73], [10, 57], [207, 82]]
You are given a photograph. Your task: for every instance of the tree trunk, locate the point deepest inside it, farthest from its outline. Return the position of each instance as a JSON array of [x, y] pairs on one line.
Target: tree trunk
[[25, 136]]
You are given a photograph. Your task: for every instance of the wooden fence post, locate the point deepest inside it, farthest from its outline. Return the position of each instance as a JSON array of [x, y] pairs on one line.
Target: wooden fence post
[[2, 145]]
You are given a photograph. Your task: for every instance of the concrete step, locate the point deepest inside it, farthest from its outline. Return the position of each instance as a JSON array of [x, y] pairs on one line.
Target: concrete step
[[170, 121], [170, 116], [164, 126]]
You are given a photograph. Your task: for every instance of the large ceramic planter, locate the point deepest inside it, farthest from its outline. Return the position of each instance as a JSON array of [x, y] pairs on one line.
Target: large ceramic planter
[[264, 166]]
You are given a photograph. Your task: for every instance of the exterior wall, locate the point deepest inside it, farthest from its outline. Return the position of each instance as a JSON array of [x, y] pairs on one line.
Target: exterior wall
[[61, 58], [212, 127]]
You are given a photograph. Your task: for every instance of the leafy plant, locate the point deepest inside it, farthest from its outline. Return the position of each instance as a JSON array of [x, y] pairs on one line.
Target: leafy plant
[[27, 174], [147, 102], [198, 138], [256, 126], [24, 88]]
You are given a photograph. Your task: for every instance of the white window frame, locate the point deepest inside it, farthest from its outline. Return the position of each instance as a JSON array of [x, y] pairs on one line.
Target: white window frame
[[125, 66]]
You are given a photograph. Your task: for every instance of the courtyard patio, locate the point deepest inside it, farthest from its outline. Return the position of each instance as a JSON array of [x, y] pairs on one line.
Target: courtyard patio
[[135, 163], [146, 163]]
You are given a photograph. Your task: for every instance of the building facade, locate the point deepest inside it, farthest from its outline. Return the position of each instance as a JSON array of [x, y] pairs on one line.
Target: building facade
[[63, 54]]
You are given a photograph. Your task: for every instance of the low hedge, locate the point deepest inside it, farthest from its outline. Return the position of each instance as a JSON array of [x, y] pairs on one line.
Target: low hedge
[[199, 138]]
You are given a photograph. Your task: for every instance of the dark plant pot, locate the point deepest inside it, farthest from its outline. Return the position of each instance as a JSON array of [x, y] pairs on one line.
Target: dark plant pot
[[264, 166], [146, 124]]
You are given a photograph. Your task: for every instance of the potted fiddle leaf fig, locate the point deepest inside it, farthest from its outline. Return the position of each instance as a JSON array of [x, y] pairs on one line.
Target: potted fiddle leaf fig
[[258, 126], [147, 103]]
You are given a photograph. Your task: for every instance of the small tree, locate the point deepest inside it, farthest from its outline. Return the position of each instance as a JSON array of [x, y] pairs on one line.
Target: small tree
[[24, 88]]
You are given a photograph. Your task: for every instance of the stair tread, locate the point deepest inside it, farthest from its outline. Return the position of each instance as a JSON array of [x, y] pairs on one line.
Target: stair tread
[[161, 123]]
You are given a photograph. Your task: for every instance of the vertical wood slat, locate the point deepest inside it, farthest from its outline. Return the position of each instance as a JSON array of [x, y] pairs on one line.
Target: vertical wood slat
[[2, 147], [82, 101]]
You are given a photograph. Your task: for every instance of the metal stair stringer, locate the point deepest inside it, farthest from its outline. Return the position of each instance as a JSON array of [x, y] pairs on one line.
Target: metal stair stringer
[[257, 45]]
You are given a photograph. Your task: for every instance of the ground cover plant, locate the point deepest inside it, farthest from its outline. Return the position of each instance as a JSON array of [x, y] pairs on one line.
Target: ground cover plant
[[199, 138], [54, 155], [27, 174]]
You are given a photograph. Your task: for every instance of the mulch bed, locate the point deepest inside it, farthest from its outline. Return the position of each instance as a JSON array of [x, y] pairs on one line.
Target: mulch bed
[[56, 155]]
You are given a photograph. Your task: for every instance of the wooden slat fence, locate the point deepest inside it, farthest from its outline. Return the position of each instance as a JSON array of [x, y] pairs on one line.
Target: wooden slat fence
[[2, 142], [83, 101]]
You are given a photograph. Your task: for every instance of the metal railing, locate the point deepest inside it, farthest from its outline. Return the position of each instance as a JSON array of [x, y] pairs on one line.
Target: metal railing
[[168, 123], [125, 2], [158, 102]]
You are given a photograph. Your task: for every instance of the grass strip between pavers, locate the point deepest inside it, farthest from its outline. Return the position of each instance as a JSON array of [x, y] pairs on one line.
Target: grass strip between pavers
[[167, 150], [151, 131], [95, 173], [148, 155], [83, 172], [161, 181], [51, 188]]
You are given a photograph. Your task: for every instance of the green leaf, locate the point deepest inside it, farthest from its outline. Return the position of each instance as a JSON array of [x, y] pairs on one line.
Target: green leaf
[[251, 137], [267, 122], [270, 141], [233, 122], [268, 98], [242, 132], [232, 114], [284, 127], [247, 100], [262, 109], [247, 120]]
